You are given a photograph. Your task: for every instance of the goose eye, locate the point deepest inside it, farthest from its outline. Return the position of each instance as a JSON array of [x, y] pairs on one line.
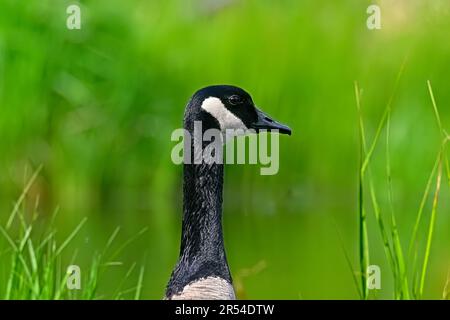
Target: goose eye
[[235, 100]]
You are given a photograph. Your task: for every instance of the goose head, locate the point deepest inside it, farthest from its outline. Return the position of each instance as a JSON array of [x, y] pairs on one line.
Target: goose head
[[229, 108]]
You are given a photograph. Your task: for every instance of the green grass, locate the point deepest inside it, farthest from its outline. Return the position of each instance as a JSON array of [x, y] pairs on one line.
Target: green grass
[[405, 286], [38, 263]]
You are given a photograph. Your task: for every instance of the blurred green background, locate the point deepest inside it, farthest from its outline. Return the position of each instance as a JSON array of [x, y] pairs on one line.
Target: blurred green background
[[97, 106]]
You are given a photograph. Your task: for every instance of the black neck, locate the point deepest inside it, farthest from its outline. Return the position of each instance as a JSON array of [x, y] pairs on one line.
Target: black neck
[[202, 250], [202, 211]]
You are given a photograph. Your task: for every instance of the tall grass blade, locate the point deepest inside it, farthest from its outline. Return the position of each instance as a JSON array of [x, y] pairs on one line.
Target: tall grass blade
[[139, 284], [71, 236], [431, 229], [413, 241], [436, 112], [349, 263], [398, 251], [116, 294], [383, 117], [111, 239], [446, 292], [363, 236], [8, 239], [22, 196], [126, 243]]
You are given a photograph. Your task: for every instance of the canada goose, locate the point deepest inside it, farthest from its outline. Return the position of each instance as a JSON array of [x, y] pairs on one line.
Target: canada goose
[[202, 270]]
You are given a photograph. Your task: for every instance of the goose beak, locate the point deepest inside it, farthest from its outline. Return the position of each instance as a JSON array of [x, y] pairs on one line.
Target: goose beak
[[267, 123]]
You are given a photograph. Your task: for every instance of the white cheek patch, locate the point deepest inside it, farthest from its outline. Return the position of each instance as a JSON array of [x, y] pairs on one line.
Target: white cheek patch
[[226, 119]]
